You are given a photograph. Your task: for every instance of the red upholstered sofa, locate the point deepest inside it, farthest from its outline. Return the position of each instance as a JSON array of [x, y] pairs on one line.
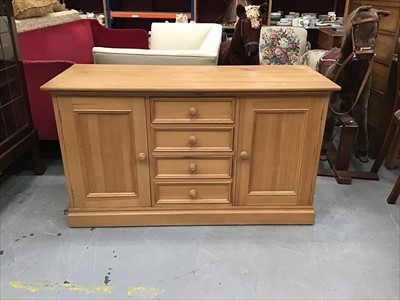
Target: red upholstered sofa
[[48, 51]]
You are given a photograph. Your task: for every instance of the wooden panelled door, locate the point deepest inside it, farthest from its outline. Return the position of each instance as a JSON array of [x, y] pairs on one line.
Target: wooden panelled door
[[109, 140], [275, 136]]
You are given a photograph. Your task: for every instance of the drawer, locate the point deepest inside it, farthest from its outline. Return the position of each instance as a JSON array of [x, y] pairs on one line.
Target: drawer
[[193, 139], [391, 22], [328, 38], [375, 105], [385, 46], [193, 167], [380, 73], [192, 193], [388, 23], [193, 110]]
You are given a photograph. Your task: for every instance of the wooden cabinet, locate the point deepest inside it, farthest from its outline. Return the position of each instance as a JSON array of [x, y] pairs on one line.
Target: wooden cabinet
[[209, 145], [329, 38], [384, 74], [17, 134]]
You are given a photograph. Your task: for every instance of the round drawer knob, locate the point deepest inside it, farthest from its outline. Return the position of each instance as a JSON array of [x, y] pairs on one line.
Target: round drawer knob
[[192, 167], [244, 155], [192, 140], [193, 111], [142, 157], [193, 193]]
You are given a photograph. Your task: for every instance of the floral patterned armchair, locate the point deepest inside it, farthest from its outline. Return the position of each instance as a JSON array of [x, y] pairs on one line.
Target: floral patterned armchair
[[281, 45]]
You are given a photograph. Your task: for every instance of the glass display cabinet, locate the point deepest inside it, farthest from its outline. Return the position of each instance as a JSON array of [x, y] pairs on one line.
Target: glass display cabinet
[[17, 135]]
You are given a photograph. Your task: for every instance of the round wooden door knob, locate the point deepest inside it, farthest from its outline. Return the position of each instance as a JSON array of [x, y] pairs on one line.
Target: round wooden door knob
[[192, 167], [142, 157], [244, 155], [192, 140], [193, 194], [193, 111]]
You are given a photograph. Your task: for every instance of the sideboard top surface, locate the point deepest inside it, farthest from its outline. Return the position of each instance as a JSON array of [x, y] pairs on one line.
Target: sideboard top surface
[[188, 79]]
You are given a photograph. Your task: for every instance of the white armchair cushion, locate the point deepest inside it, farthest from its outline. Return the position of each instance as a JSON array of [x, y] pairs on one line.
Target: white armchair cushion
[[171, 44]]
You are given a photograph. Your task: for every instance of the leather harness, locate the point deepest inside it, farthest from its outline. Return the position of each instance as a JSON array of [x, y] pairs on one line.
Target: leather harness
[[356, 53]]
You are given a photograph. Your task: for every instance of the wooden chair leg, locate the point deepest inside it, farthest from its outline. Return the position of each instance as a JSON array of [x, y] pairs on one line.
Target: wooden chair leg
[[394, 194], [391, 156], [37, 162], [384, 148], [347, 137]]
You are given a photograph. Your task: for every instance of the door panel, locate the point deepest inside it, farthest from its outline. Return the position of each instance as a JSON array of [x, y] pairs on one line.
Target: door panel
[[276, 150], [107, 140], [286, 130]]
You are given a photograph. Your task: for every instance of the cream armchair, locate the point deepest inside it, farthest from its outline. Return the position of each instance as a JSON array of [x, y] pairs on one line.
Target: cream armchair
[[170, 44]]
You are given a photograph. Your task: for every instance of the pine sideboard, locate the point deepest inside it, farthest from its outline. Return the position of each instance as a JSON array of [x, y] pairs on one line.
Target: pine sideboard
[[182, 145]]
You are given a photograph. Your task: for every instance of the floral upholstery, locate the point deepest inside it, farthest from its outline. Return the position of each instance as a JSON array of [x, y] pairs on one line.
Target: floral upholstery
[[282, 45]]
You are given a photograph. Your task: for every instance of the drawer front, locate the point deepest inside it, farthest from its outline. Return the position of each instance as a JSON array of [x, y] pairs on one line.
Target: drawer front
[[388, 23], [196, 167], [391, 22], [192, 193], [326, 41], [375, 105], [385, 46], [193, 139], [193, 110], [380, 73]]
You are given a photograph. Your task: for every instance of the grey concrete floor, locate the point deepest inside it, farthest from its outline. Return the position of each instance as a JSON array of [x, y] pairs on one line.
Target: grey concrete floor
[[352, 251]]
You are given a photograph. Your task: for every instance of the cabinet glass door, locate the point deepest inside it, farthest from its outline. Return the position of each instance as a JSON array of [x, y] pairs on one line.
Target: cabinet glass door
[[13, 110]]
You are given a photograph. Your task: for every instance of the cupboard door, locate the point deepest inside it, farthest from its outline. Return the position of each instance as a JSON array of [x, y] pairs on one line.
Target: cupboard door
[[278, 150], [104, 145]]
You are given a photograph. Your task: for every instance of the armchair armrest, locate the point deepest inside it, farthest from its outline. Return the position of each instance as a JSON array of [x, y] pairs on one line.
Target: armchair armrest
[[36, 74], [177, 36], [153, 57], [119, 38], [212, 42]]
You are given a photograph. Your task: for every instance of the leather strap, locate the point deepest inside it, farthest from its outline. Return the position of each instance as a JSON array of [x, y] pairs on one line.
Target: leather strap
[[361, 51], [366, 20], [364, 82], [341, 66]]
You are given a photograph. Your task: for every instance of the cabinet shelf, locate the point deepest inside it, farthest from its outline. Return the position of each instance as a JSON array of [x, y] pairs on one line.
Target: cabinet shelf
[[7, 81], [146, 14]]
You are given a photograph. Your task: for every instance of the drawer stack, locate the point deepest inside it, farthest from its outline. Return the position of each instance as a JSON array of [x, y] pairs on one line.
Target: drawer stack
[[192, 142]]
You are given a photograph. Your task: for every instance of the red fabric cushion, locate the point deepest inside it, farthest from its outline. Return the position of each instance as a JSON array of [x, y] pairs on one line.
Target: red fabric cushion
[[36, 74], [119, 38], [58, 43]]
